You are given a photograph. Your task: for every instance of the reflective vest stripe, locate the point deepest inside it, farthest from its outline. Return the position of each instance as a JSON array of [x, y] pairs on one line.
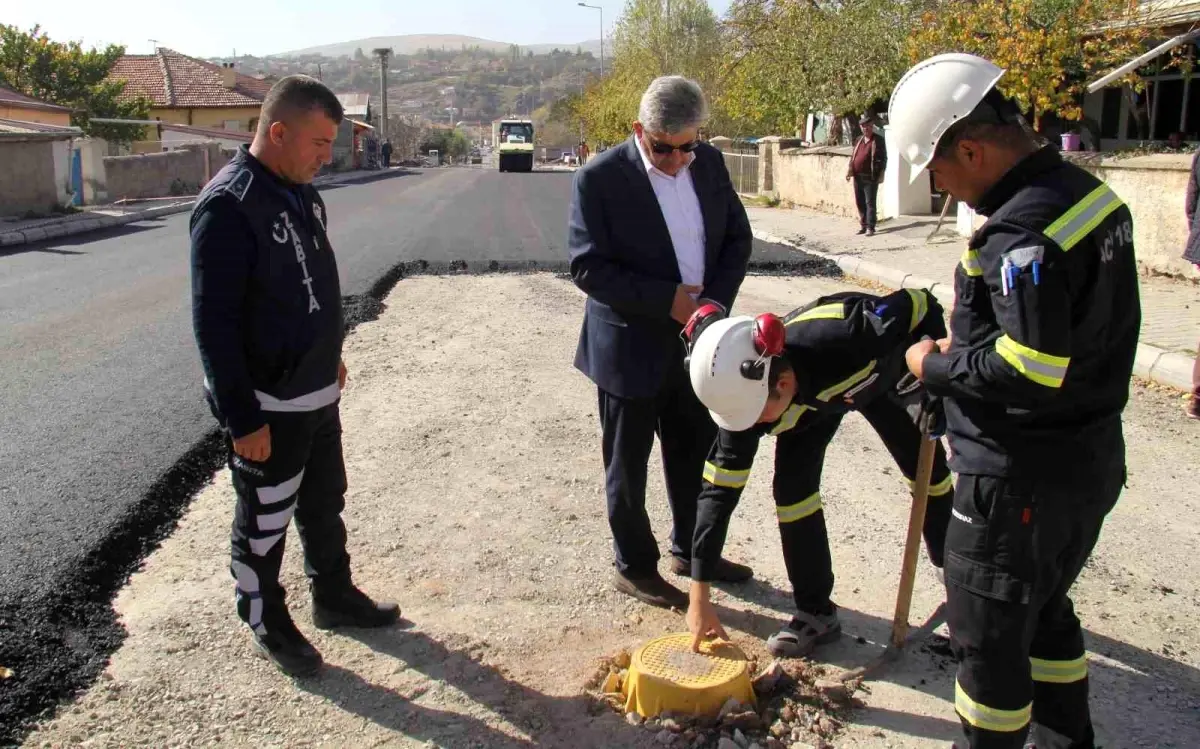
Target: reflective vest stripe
[[920, 304], [847, 383], [1044, 369], [970, 263], [1083, 217], [789, 419], [1059, 672], [990, 718], [802, 509], [725, 477], [834, 311], [945, 486]]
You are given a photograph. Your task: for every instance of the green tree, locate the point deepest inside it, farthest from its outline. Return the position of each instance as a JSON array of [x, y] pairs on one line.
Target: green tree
[[68, 75], [1050, 48], [651, 39], [787, 58]]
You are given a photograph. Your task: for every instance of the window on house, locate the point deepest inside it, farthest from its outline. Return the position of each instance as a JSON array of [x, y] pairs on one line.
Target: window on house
[[1110, 113], [1170, 106], [253, 124], [235, 125]]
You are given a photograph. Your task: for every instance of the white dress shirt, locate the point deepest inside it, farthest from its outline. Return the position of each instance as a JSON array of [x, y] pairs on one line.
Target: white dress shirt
[[681, 210]]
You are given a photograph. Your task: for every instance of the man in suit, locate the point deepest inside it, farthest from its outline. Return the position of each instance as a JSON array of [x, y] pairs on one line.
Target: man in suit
[[867, 165], [655, 229]]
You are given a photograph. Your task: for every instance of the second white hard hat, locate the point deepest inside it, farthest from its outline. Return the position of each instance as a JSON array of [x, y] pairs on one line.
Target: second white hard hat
[[931, 97], [730, 392]]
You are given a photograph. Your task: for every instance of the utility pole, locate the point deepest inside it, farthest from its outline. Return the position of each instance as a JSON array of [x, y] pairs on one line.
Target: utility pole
[[597, 7], [384, 54]]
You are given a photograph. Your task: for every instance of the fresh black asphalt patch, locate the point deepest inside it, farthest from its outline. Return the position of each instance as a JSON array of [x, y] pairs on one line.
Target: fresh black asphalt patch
[[57, 643]]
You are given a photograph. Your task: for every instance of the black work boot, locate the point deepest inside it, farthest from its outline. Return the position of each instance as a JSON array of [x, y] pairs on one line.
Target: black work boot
[[347, 606], [287, 648]]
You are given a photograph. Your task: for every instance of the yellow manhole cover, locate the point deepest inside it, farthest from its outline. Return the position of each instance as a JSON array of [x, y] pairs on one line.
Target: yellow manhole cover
[[665, 675]]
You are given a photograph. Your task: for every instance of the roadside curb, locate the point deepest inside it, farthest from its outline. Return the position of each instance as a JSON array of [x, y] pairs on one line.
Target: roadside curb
[[1170, 368], [83, 226]]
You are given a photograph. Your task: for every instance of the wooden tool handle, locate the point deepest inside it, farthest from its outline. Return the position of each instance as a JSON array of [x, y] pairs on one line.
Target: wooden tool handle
[[912, 544]]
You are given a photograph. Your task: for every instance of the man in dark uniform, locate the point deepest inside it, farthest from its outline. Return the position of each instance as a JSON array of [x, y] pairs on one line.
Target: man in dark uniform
[[1035, 377], [267, 314], [841, 353]]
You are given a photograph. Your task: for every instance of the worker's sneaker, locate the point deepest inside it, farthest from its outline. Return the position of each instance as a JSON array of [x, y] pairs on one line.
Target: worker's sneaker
[[290, 651], [653, 590], [350, 607], [1192, 409], [803, 633], [725, 571]]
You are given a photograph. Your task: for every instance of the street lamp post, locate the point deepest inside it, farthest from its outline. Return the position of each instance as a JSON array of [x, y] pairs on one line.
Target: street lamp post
[[597, 7]]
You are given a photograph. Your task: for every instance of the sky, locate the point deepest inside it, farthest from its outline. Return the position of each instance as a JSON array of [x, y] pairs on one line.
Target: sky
[[264, 27]]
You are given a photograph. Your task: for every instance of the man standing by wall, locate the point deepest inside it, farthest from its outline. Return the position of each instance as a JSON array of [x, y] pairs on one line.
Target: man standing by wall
[[867, 165], [655, 225], [267, 313]]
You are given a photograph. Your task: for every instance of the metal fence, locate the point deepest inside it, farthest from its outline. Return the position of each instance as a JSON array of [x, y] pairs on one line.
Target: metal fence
[[743, 169]]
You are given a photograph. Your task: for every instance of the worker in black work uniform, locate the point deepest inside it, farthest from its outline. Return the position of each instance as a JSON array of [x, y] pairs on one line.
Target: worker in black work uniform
[[796, 379], [267, 313], [1035, 377]]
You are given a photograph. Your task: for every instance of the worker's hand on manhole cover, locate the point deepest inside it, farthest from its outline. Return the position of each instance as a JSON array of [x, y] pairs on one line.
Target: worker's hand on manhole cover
[[702, 618]]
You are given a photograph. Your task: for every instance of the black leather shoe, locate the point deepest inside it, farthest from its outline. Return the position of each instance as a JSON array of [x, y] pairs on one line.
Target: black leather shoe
[[350, 607], [726, 571], [863, 230], [288, 649], [652, 590]]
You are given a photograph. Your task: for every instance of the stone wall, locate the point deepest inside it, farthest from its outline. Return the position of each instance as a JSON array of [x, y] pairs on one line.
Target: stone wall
[[814, 177], [27, 182], [156, 175], [1153, 186], [1155, 189]]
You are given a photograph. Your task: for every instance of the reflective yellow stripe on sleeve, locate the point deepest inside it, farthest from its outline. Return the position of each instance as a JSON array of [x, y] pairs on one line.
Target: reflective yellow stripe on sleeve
[[714, 474], [990, 718], [1059, 672], [970, 263], [832, 311], [920, 303], [789, 419], [1044, 369], [847, 383], [800, 510], [945, 486], [1083, 217]]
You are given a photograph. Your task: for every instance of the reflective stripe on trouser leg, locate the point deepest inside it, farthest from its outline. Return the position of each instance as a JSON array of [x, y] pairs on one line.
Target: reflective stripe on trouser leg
[[260, 524], [988, 560], [806, 556]]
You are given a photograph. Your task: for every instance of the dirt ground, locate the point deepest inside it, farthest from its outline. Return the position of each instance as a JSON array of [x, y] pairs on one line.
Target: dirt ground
[[476, 501]]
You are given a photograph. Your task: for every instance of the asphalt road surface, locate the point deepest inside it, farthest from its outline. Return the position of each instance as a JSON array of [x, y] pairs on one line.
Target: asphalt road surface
[[100, 389]]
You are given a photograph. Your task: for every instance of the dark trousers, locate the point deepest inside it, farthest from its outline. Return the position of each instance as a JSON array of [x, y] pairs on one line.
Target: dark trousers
[[304, 478], [799, 459], [685, 432], [866, 190], [1014, 548]]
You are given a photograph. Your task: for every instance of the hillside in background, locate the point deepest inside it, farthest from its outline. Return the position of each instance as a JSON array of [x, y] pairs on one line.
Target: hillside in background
[[432, 86], [409, 44]]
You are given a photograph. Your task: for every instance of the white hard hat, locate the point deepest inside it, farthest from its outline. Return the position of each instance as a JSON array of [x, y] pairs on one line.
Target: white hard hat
[[932, 96], [729, 374]]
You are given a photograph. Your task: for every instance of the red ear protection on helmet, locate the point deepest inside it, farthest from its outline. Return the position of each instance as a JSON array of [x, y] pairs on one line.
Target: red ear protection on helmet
[[699, 320], [769, 335]]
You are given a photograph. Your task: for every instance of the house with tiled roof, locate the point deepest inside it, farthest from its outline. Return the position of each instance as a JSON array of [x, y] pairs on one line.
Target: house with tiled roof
[[186, 91], [17, 106]]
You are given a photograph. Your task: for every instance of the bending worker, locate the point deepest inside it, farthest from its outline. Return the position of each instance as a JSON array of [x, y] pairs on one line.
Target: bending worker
[[796, 380], [1035, 379]]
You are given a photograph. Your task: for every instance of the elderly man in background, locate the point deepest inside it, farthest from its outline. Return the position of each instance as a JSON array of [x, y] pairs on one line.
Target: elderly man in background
[[655, 229], [867, 165]]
